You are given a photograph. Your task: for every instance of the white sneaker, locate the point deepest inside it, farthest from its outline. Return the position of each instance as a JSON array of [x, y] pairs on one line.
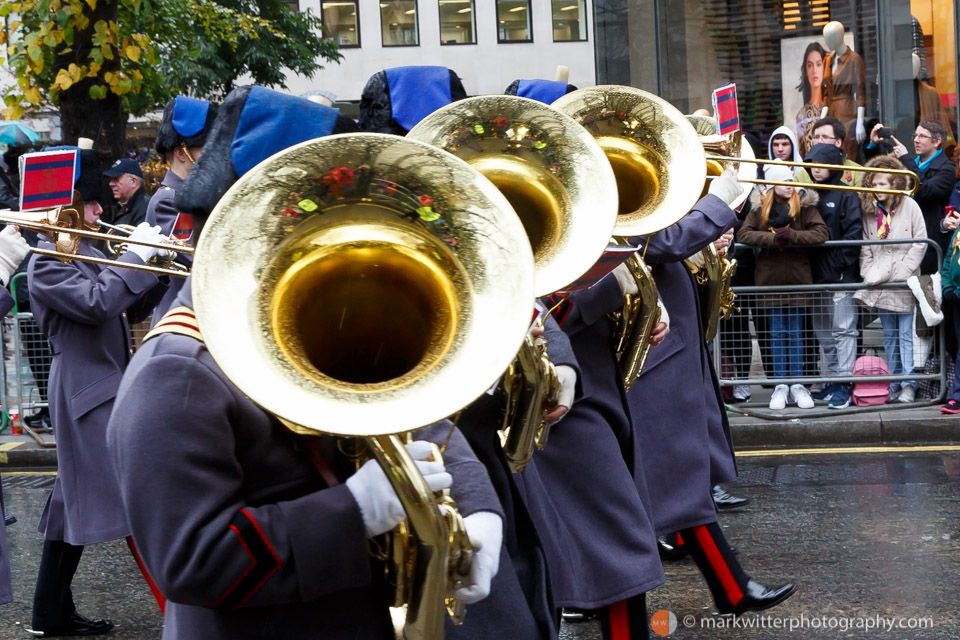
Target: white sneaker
[[778, 401], [801, 396], [907, 394], [741, 392]]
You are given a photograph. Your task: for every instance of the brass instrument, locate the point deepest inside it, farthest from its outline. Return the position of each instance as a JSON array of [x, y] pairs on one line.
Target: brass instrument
[[115, 248], [712, 269], [65, 226], [118, 248], [563, 191], [655, 155], [366, 285]]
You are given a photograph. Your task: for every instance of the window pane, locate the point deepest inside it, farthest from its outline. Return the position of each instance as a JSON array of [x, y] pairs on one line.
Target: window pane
[[456, 22], [398, 22], [569, 20], [340, 22], [513, 21]]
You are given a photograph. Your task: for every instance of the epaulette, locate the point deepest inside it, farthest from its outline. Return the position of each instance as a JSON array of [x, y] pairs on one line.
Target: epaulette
[[179, 320]]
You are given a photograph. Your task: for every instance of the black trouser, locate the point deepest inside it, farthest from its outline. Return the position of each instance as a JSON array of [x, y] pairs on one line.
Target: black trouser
[[53, 598], [724, 575], [625, 620]]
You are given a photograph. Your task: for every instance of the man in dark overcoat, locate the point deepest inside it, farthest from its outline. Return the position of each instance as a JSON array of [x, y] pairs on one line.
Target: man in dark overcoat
[[183, 131], [83, 308], [685, 444], [246, 526]]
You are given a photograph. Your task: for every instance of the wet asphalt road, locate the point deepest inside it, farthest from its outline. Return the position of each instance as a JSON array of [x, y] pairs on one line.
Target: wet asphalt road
[[862, 535]]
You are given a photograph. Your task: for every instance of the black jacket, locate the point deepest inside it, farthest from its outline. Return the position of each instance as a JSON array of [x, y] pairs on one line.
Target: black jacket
[[840, 211], [933, 194], [134, 211]]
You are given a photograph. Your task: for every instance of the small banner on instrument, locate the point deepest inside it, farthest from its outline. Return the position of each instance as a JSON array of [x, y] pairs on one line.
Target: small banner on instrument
[[725, 109], [183, 228], [47, 179], [612, 257]]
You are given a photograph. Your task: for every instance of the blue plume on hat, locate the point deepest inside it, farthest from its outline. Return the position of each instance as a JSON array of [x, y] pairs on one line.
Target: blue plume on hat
[[252, 124], [189, 115], [545, 91], [395, 100], [185, 121]]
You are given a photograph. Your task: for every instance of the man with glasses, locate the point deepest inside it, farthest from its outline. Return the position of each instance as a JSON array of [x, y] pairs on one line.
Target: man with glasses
[[937, 178], [831, 131]]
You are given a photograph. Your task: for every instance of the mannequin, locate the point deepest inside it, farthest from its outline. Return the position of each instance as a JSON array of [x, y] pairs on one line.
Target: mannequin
[[844, 85]]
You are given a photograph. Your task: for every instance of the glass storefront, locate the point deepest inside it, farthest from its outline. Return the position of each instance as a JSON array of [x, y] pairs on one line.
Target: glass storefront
[[776, 53]]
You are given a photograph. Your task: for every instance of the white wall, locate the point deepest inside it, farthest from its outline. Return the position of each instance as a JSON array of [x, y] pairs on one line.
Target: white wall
[[485, 67]]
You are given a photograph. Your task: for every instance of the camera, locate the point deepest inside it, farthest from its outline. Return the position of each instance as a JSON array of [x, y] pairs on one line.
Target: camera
[[885, 133]]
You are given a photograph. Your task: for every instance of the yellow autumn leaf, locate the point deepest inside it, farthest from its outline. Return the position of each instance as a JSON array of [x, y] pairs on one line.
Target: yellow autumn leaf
[[74, 72], [94, 69], [93, 4], [13, 113], [132, 52], [32, 95], [64, 81]]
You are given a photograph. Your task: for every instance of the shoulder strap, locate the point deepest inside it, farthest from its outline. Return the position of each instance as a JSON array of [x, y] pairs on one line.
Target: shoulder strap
[[179, 320]]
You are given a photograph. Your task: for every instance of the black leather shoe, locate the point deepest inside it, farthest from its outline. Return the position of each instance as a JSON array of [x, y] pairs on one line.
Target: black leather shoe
[[670, 552], [76, 625], [9, 520], [757, 597], [726, 501], [574, 616]]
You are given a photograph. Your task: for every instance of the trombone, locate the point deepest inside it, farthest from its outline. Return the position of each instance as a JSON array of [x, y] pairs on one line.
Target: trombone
[[819, 165], [63, 226]]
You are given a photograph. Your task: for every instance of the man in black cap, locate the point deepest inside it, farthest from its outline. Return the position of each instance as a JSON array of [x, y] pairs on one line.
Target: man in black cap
[[183, 132], [126, 183]]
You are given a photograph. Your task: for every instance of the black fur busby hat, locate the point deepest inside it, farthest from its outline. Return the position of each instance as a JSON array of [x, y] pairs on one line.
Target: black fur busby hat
[[395, 100], [546, 91], [185, 121], [252, 124], [90, 176]]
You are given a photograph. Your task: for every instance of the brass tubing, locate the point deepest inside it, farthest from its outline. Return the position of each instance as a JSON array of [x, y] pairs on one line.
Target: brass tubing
[[109, 262], [819, 165], [178, 248]]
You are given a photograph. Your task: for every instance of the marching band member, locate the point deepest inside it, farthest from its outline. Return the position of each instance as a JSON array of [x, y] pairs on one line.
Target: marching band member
[[183, 132], [13, 250], [685, 445], [269, 539], [520, 604], [83, 308]]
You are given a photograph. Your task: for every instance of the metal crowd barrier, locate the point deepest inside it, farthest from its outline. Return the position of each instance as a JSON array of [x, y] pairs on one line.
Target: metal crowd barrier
[[743, 351], [27, 360]]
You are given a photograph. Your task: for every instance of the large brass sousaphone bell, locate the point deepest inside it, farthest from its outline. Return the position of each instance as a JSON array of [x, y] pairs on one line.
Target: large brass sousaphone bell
[[564, 193], [367, 285], [659, 166]]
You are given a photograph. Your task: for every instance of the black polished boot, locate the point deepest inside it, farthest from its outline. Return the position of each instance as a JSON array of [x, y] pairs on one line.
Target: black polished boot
[[573, 616], [76, 625], [757, 597], [9, 520], [726, 501], [670, 552]]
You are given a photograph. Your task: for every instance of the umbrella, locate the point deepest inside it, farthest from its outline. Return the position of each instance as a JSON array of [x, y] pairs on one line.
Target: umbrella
[[14, 133]]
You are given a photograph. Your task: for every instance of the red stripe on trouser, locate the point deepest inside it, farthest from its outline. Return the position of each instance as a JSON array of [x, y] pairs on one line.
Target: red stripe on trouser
[[619, 621], [679, 540], [720, 568], [161, 601]]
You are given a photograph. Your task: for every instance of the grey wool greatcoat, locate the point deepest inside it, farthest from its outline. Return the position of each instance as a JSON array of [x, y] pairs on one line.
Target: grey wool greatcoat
[[520, 604], [161, 211], [682, 433], [231, 517], [80, 307], [6, 587], [595, 525]]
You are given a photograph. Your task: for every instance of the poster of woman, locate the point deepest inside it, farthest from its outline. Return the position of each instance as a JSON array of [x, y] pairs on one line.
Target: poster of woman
[[801, 69]]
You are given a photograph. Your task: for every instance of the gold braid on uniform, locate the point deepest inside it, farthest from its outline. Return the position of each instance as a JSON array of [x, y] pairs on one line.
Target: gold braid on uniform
[[178, 320]]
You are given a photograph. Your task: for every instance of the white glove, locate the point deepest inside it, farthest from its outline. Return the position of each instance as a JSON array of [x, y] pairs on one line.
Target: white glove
[[726, 187], [628, 284], [861, 130], [13, 249], [379, 504], [485, 530], [567, 377], [144, 232], [664, 316]]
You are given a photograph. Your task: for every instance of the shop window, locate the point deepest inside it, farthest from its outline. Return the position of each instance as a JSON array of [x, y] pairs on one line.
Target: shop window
[[341, 22], [458, 22], [293, 6], [513, 21], [569, 20], [398, 23]]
